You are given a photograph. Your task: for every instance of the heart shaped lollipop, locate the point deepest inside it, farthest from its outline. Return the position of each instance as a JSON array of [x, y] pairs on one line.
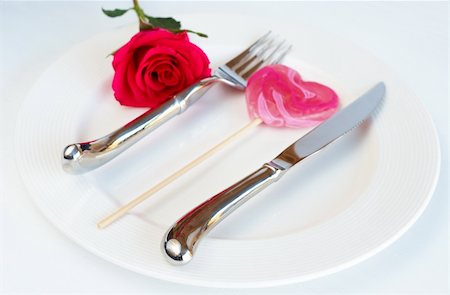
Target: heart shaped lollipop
[[277, 96]]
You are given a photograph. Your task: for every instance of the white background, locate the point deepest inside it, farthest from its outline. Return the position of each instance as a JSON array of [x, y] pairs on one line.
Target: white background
[[410, 37]]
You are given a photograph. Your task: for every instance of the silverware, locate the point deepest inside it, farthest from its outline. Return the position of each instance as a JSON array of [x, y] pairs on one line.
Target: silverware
[[181, 240], [86, 156]]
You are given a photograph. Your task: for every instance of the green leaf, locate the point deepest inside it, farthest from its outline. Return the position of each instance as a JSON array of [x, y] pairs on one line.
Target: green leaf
[[193, 32], [112, 53], [144, 25], [168, 23], [116, 12]]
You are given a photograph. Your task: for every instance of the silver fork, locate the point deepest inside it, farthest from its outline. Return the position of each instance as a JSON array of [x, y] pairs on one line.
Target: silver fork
[[86, 156]]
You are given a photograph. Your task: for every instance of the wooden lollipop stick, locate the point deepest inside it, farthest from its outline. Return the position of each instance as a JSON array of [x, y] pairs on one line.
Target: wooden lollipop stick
[[133, 203]]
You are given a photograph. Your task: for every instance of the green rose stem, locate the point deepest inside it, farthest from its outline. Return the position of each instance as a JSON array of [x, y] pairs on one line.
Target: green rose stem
[[143, 25], [147, 22]]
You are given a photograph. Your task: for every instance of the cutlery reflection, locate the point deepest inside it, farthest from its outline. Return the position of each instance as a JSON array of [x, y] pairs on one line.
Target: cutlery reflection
[[86, 156], [182, 239]]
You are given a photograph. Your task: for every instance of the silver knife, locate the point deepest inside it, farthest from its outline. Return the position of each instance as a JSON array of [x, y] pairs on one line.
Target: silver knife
[[183, 237]]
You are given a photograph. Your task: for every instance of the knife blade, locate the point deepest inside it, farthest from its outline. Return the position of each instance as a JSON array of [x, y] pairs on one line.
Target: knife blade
[[182, 239], [333, 128]]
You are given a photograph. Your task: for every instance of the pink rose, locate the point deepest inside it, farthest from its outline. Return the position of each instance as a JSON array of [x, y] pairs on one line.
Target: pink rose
[[154, 66]]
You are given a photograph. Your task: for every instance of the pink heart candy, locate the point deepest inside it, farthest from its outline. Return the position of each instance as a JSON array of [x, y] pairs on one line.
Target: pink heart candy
[[279, 97]]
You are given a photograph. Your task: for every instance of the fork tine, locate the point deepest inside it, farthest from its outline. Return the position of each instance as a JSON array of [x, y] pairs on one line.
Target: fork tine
[[253, 69], [282, 55], [271, 56], [257, 55], [268, 49], [269, 59], [233, 62]]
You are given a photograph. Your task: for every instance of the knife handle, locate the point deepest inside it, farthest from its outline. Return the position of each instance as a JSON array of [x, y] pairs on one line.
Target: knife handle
[[83, 157], [181, 240]]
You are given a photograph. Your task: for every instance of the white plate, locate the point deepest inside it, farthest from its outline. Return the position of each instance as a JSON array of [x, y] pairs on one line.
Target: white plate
[[332, 211]]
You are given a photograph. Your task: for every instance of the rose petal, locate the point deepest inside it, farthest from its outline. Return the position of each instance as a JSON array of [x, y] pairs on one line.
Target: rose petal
[[155, 65]]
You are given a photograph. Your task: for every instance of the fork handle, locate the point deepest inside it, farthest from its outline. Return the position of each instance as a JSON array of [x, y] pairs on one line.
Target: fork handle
[[181, 240], [86, 156]]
